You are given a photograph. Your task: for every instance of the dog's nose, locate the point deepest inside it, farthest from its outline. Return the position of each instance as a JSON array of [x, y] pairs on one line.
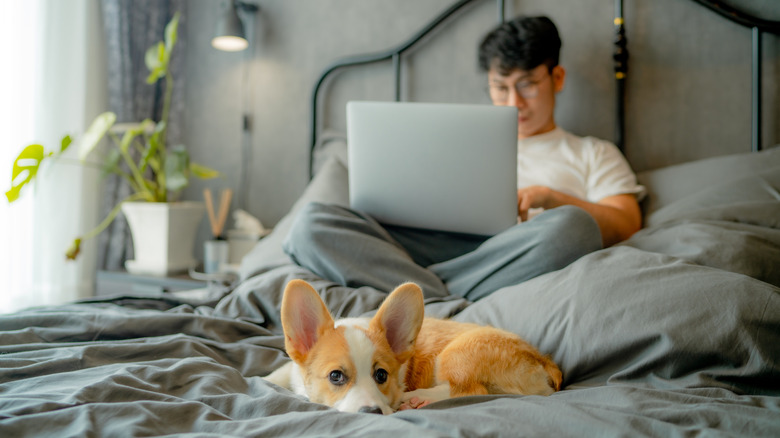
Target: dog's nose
[[370, 410]]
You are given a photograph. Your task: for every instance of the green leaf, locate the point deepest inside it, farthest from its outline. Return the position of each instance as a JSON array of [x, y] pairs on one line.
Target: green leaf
[[13, 194], [203, 172], [66, 141], [158, 56], [24, 170], [155, 75], [154, 56], [127, 139], [156, 62], [177, 166], [95, 133], [149, 152], [159, 132], [171, 33], [32, 152]]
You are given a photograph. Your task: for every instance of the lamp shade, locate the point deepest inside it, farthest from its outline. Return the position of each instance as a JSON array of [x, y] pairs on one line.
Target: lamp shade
[[229, 35]]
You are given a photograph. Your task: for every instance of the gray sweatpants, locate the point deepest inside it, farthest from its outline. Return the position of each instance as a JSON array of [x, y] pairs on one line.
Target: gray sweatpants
[[354, 250]]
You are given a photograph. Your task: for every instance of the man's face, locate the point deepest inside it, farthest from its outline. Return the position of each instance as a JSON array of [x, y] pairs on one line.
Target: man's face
[[532, 92]]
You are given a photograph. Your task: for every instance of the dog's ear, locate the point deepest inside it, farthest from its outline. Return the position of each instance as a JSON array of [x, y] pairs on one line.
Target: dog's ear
[[400, 317], [304, 319]]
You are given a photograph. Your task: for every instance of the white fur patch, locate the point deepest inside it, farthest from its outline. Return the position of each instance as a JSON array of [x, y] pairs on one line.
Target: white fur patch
[[364, 391], [353, 322]]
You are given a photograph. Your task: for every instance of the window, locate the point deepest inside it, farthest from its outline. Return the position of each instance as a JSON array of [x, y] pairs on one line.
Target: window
[[20, 24]]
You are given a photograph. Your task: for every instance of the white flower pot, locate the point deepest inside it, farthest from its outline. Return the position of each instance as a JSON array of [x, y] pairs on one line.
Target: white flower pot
[[163, 236]]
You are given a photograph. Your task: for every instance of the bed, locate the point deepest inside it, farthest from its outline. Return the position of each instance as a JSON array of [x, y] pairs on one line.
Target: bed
[[674, 332]]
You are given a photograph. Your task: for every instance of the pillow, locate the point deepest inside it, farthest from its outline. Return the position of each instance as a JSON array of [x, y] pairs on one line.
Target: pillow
[[733, 226], [673, 183], [329, 185], [626, 316]]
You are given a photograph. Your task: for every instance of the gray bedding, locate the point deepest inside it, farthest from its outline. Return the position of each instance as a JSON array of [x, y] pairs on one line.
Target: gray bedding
[[675, 332]]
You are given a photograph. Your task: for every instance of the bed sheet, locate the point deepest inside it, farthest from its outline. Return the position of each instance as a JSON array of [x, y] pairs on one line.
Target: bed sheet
[[643, 352]]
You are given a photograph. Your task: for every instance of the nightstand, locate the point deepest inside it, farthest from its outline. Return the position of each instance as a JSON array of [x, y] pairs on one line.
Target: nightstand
[[122, 282]]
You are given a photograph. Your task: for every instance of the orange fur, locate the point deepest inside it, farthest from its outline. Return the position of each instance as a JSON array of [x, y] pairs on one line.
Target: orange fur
[[474, 360]]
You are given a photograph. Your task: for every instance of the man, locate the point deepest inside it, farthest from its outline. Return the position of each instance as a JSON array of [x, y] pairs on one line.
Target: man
[[575, 195], [521, 60]]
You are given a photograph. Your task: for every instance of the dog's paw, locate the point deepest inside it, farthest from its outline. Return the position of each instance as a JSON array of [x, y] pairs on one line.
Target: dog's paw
[[413, 403], [424, 396]]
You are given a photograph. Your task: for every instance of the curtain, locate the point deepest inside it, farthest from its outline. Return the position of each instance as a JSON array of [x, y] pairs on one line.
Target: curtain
[[54, 84], [23, 46], [131, 27]]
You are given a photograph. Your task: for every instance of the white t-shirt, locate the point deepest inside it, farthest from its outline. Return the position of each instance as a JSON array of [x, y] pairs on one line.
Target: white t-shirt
[[585, 167]]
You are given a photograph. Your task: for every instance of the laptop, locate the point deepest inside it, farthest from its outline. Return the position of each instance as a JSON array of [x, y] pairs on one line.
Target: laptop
[[447, 167]]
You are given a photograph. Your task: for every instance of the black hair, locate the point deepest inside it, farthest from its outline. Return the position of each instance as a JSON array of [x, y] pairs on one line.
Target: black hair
[[523, 43]]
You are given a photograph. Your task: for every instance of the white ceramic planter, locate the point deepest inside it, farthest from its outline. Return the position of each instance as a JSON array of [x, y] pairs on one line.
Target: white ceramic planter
[[163, 236]]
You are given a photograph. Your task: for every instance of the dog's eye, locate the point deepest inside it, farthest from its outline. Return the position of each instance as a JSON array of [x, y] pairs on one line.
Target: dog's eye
[[380, 376], [337, 377]]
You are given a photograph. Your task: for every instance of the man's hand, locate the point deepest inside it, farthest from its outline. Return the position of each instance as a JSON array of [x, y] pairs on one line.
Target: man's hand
[[618, 216], [533, 197]]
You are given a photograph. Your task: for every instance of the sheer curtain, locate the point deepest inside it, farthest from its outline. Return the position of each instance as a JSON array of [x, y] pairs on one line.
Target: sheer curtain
[[52, 83], [18, 24]]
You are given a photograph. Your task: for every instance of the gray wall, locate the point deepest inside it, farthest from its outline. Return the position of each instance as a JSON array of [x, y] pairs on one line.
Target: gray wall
[[688, 86]]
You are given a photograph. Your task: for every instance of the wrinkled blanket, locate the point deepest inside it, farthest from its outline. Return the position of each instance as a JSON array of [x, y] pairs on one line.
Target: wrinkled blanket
[[675, 332]]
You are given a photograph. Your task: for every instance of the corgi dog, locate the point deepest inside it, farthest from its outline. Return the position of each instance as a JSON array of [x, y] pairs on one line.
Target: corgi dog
[[398, 359]]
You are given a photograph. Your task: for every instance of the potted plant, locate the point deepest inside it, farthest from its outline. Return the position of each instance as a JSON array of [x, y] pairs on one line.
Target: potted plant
[[155, 171]]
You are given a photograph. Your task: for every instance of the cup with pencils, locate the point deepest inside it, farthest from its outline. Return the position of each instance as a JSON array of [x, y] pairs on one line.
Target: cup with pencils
[[215, 251]]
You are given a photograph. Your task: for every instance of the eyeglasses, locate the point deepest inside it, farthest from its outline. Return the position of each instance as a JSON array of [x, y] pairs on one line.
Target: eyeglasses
[[527, 89]]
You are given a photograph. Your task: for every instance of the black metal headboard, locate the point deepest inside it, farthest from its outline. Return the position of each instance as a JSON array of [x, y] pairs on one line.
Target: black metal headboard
[[756, 24], [393, 54]]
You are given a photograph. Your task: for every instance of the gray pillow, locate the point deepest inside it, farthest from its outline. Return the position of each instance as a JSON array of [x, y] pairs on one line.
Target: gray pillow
[[670, 184]]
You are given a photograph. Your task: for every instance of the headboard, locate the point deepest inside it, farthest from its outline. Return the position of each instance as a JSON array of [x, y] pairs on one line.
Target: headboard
[[757, 26], [620, 56]]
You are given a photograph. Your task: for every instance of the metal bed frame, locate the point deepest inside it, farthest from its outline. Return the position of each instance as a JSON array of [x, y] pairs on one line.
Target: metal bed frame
[[620, 57]]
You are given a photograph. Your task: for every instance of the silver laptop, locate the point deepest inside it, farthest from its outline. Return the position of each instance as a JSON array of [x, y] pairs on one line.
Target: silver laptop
[[448, 167]]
